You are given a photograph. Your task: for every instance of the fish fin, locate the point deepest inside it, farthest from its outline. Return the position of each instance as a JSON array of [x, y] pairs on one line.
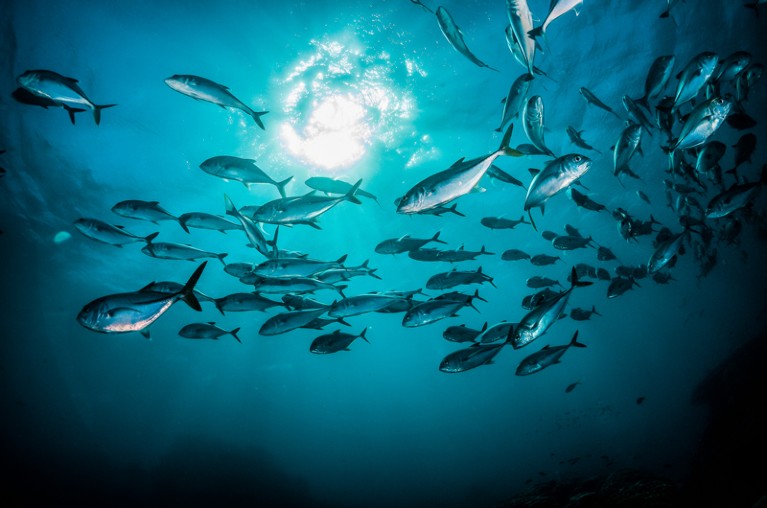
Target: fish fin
[[72, 112], [221, 257], [574, 341], [145, 333], [533, 171], [97, 112], [342, 259], [535, 32], [350, 196], [504, 147], [343, 322], [436, 239], [149, 238], [484, 327], [574, 282], [341, 288], [183, 226], [230, 208], [372, 274], [257, 117], [187, 292], [362, 335], [234, 334], [594, 310], [281, 186], [532, 222]]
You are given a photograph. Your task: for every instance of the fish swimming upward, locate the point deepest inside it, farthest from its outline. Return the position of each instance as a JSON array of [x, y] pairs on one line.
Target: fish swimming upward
[[203, 89], [454, 36]]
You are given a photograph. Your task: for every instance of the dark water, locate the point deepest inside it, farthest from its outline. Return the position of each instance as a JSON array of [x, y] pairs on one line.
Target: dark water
[[372, 91]]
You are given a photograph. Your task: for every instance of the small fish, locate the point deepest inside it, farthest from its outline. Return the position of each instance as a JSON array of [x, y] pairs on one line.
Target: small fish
[[603, 274], [24, 96], [301, 209], [470, 358], [576, 137], [743, 149], [557, 8], [662, 277], [288, 321], [405, 244], [546, 357], [703, 121], [732, 66], [244, 302], [643, 197], [537, 282], [461, 254], [548, 235], [453, 278], [361, 304], [515, 99], [514, 255], [61, 90], [657, 79], [431, 311], [572, 386], [335, 186], [241, 170], [203, 89], [530, 302], [295, 267], [106, 233], [501, 223], [569, 242], [320, 323], [555, 177], [461, 333], [206, 331], [544, 260], [204, 220], [143, 210], [579, 314], [521, 23], [453, 34], [605, 254], [620, 285], [746, 80], [178, 251], [133, 312], [735, 198], [693, 77], [592, 99], [334, 342], [636, 114], [532, 122], [624, 149], [252, 231], [740, 121], [584, 201], [499, 174]]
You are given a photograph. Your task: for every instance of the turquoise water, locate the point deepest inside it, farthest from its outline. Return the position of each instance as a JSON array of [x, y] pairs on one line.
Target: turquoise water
[[369, 91]]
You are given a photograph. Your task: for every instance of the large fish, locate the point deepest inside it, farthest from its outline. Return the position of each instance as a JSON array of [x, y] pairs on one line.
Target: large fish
[[657, 78], [693, 77], [61, 90], [203, 89], [454, 36], [735, 198], [469, 358], [535, 323], [24, 96], [521, 22], [242, 170], [546, 357], [515, 99], [302, 209], [454, 182], [557, 8], [106, 233], [252, 230], [334, 342], [703, 121], [204, 220], [532, 122], [555, 177], [133, 312]]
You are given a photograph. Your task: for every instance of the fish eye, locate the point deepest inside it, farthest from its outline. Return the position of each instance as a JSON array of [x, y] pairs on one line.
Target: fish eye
[[577, 158]]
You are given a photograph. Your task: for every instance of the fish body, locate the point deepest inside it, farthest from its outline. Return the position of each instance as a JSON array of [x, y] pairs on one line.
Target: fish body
[[469, 358], [498, 174], [521, 23], [544, 260], [204, 220], [298, 302], [657, 79], [293, 285], [142, 210], [579, 314], [514, 255], [537, 282], [594, 100], [627, 145], [576, 137], [530, 302], [746, 80], [431, 311], [584, 201], [732, 66], [499, 331], [460, 333], [515, 99], [532, 122], [734, 198], [458, 255], [555, 177], [334, 342], [703, 121], [206, 331], [502, 223], [62, 90], [454, 36], [107, 233], [546, 357], [245, 302], [570, 242], [288, 321], [665, 252], [361, 304], [133, 312], [693, 77], [179, 252], [405, 244], [709, 156], [636, 113], [241, 170], [620, 285], [743, 149], [335, 186], [556, 9], [252, 231], [302, 209], [24, 96], [203, 89], [605, 254]]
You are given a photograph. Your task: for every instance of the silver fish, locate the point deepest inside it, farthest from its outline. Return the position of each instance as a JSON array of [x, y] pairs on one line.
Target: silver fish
[[454, 36], [241, 170], [593, 99], [288, 321], [624, 149], [133, 312], [461, 333], [293, 285], [335, 186], [555, 177], [460, 254], [180, 252], [499, 331], [61, 90], [515, 99], [302, 209], [703, 121], [24, 96], [521, 22], [546, 357], [532, 121], [470, 358], [295, 267], [244, 302], [570, 242], [431, 311], [405, 244], [453, 278], [252, 230], [732, 66], [502, 223], [449, 184], [636, 114], [735, 198], [142, 210], [657, 79], [106, 233], [206, 331], [336, 341], [361, 304], [204, 220], [693, 77], [576, 137], [203, 89], [556, 9], [665, 252]]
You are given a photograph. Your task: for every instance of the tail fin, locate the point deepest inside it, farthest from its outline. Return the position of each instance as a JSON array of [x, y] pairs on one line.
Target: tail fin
[[149, 238], [594, 310], [362, 335], [342, 259], [574, 341], [644, 102], [281, 186], [483, 251], [257, 117], [435, 238], [575, 283], [350, 196], [505, 141], [342, 321], [96, 112], [535, 32], [187, 292], [453, 209], [221, 257], [230, 208], [476, 295], [340, 288], [234, 334], [182, 223], [72, 112]]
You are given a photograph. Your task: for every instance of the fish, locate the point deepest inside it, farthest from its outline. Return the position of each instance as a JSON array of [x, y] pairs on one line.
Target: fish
[[594, 100], [537, 282], [624, 149], [603, 274], [514, 255], [579, 314], [693, 77], [535, 323], [295, 267], [295, 284], [569, 242], [60, 89], [499, 331], [703, 121], [203, 89], [107, 233], [532, 122], [431, 311], [730, 67], [24, 96], [252, 231], [744, 147], [170, 287], [636, 114], [302, 209], [238, 270], [456, 181], [548, 235], [204, 220], [521, 23], [502, 223], [605, 254], [453, 34], [662, 278], [544, 260], [335, 186], [665, 252], [178, 251], [143, 210], [746, 80], [571, 230], [735, 198], [530, 302], [453, 278], [405, 244], [460, 254], [461, 333], [245, 302], [576, 137], [584, 201], [333, 275], [572, 386], [418, 2], [657, 78], [620, 285], [665, 118], [241, 170], [740, 121], [361, 304], [298, 302], [469, 358], [288, 321], [556, 176], [437, 210], [641, 195], [546, 357], [336, 341], [320, 323], [134, 312], [206, 331], [557, 8], [515, 99], [518, 52], [498, 174]]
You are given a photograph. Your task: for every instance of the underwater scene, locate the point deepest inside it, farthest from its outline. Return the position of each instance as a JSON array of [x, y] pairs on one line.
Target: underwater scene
[[391, 253]]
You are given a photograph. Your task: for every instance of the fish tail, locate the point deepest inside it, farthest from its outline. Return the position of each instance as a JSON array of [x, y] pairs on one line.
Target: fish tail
[[149, 238], [217, 303], [372, 274], [476, 295], [362, 335], [281, 186], [187, 292], [350, 196], [182, 223], [230, 208], [594, 310], [532, 222], [505, 147], [221, 257], [453, 209], [435, 238], [575, 283], [644, 102], [96, 112], [574, 340], [234, 334], [340, 289], [257, 117], [535, 32], [72, 112]]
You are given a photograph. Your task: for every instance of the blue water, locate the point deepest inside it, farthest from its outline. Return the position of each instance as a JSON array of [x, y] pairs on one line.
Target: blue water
[[124, 418]]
